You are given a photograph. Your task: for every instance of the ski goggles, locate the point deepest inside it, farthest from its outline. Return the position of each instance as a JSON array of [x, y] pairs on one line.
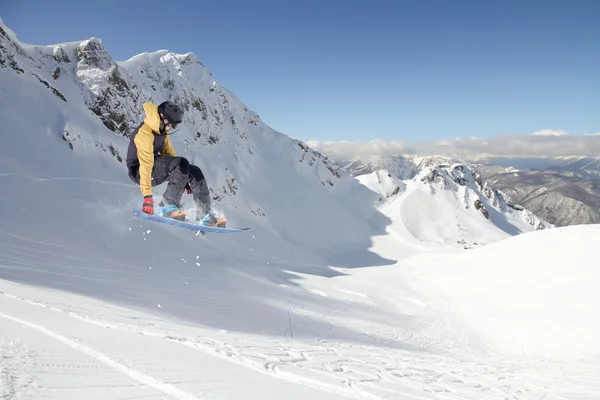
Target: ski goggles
[[172, 124], [166, 123]]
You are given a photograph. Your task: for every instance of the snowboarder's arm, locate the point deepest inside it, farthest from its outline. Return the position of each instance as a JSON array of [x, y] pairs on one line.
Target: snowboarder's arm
[[145, 153], [168, 149]]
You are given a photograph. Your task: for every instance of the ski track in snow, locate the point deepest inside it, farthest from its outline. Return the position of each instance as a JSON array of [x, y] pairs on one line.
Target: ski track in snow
[[91, 180], [98, 356], [366, 371]]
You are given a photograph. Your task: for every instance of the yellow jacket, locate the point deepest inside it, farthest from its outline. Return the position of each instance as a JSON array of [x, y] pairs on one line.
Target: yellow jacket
[[149, 142]]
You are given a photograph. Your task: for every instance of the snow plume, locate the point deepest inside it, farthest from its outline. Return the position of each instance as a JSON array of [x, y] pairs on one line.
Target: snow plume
[[543, 143]]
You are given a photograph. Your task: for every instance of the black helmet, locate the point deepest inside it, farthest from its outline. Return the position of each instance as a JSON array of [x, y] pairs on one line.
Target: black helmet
[[171, 111]]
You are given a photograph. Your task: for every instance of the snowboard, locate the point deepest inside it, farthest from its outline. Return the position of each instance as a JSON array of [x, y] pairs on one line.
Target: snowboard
[[186, 225]]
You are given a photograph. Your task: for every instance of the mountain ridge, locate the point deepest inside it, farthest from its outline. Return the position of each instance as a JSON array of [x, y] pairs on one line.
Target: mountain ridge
[[572, 195]]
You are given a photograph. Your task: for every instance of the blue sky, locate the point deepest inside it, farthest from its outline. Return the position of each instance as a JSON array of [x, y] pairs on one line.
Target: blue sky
[[361, 70]]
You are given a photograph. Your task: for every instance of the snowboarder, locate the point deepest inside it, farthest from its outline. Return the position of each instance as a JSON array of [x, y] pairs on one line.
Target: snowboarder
[[151, 160]]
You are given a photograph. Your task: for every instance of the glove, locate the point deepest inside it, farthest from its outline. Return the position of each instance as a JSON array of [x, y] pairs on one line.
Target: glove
[[148, 206], [188, 189]]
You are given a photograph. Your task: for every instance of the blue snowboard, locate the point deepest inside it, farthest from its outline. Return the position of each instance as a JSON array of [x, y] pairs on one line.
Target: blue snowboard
[[187, 225]]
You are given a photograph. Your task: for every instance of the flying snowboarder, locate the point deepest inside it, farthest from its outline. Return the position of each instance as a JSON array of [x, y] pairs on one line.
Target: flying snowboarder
[[151, 160]]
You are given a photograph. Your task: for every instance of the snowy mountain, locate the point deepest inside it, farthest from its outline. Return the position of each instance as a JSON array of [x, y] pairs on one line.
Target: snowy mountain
[[584, 167], [451, 204], [442, 204], [401, 166], [560, 197], [384, 183], [563, 191], [332, 293]]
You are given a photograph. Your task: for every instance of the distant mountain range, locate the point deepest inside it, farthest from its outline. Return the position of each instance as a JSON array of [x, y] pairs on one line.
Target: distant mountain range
[[562, 191], [584, 167]]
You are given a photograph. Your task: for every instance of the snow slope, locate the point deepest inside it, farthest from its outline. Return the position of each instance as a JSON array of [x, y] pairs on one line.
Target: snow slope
[[535, 294], [449, 205], [326, 297], [382, 182]]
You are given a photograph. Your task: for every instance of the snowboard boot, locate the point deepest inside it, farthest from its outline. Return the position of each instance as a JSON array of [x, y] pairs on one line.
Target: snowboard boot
[[210, 220], [172, 211]]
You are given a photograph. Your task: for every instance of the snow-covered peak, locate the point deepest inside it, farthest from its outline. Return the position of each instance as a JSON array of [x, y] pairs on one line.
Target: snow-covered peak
[[402, 167], [448, 176], [424, 162], [473, 191], [7, 32], [382, 182], [450, 204], [158, 57], [91, 54]]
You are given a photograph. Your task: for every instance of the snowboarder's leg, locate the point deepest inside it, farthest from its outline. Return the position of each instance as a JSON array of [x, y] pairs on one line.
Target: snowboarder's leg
[[199, 189], [175, 170], [201, 194]]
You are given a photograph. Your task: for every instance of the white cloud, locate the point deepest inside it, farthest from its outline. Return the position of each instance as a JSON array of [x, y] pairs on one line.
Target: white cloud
[[544, 143], [347, 149], [550, 132]]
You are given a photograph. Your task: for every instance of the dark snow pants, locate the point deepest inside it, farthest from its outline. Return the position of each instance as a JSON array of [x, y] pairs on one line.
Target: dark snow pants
[[179, 172]]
